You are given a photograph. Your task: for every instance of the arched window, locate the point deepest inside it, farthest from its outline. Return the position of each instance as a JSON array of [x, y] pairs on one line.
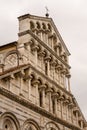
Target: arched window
[[32, 26], [40, 98], [8, 125], [43, 26], [38, 25], [46, 68], [49, 27], [30, 124]]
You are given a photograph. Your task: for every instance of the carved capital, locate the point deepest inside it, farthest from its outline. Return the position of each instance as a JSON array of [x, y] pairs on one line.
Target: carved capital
[[41, 53], [55, 95], [35, 48], [68, 75], [35, 82], [42, 87], [59, 67], [47, 58], [49, 90]]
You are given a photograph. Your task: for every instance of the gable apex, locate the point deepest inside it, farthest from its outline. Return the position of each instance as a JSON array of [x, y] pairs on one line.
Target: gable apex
[[50, 21]]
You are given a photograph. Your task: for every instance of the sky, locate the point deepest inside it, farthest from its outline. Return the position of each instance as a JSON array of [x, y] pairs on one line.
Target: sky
[[70, 17]]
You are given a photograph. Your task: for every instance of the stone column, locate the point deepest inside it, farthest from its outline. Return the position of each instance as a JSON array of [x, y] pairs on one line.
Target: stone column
[[7, 81], [76, 111], [61, 100], [35, 48], [57, 47], [77, 117], [21, 74], [47, 60], [63, 72], [35, 84], [53, 67], [49, 91], [69, 76], [71, 106], [59, 69], [81, 123], [42, 90], [29, 87], [55, 96]]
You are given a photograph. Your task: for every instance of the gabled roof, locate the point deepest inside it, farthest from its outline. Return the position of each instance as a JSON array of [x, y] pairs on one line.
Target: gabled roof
[[53, 25]]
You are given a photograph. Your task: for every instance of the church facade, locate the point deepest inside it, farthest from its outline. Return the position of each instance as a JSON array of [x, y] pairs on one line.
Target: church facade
[[35, 76]]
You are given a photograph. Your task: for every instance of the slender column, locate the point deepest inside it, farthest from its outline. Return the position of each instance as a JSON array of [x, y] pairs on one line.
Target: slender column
[[77, 117], [35, 48], [29, 87], [61, 100], [63, 72], [7, 80], [21, 74], [69, 76], [42, 90], [77, 114], [53, 68], [59, 74], [81, 124], [57, 47], [35, 84], [49, 91], [47, 60], [54, 96]]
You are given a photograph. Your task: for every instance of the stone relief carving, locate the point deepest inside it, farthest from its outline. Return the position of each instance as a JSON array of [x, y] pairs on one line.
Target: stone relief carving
[[11, 61]]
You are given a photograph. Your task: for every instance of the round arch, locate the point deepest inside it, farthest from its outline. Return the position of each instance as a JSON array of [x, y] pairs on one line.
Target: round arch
[[51, 126], [30, 124], [8, 119]]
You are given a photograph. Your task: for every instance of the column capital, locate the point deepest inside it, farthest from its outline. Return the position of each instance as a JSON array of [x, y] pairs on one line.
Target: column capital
[[68, 75], [63, 71], [57, 46], [59, 67], [35, 82], [53, 63], [47, 58], [35, 48], [49, 90], [42, 86], [54, 95], [27, 77], [41, 53], [71, 105]]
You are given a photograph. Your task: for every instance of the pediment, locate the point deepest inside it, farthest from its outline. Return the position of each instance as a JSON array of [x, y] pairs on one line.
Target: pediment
[[45, 24], [58, 37]]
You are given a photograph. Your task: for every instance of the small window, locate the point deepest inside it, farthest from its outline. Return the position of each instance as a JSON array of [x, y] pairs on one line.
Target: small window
[[49, 27], [46, 68], [40, 99], [43, 26], [32, 25], [38, 25]]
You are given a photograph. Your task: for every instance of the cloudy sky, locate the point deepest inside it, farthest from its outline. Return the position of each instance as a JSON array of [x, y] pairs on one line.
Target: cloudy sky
[[70, 17]]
